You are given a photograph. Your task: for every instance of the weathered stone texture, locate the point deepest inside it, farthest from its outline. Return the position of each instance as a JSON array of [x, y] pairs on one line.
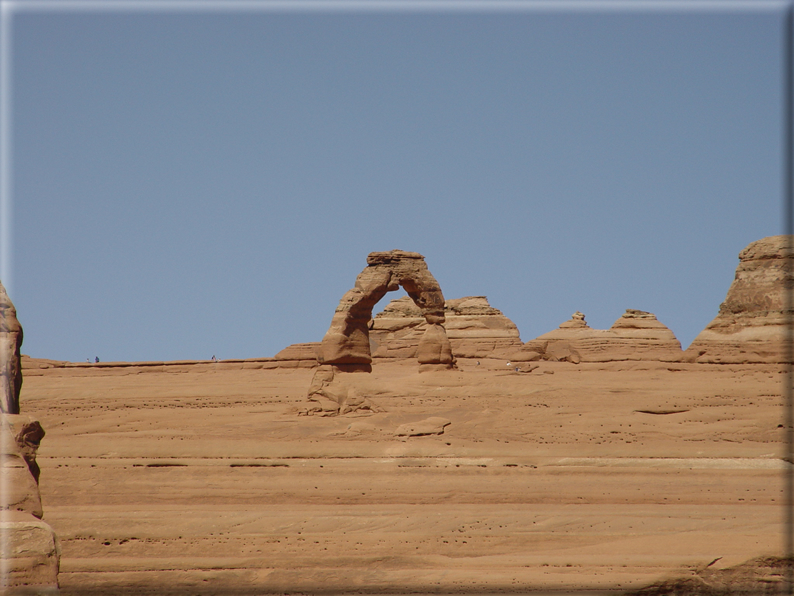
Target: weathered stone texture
[[434, 347], [434, 425], [29, 546], [751, 323], [306, 351], [637, 335], [30, 555], [347, 341], [332, 393], [19, 441], [474, 328], [10, 364]]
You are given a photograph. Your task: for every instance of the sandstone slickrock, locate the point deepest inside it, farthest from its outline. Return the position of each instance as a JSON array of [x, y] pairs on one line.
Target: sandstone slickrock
[[305, 351], [637, 335], [475, 329], [10, 366], [434, 425], [751, 323], [331, 393], [347, 341]]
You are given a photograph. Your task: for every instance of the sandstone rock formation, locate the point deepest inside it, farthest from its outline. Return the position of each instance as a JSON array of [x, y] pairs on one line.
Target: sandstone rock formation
[[347, 342], [29, 553], [576, 322], [306, 351], [751, 323], [474, 328], [637, 335], [10, 366], [331, 394], [29, 550], [21, 436], [642, 337], [434, 425]]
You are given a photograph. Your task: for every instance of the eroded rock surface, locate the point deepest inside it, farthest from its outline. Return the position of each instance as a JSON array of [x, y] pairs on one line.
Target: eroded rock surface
[[10, 365], [305, 351], [30, 554], [637, 335], [333, 393], [29, 551], [347, 341], [20, 437], [434, 425], [475, 329], [751, 323]]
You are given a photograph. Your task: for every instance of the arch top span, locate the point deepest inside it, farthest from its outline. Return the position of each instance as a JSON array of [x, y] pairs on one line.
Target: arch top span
[[347, 339]]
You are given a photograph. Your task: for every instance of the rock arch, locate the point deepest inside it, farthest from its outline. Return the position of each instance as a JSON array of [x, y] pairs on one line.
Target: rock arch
[[346, 343]]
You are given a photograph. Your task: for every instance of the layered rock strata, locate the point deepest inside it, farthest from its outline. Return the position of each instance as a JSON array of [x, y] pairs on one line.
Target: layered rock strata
[[10, 357], [295, 356], [347, 342], [475, 329], [637, 335], [305, 351], [751, 324]]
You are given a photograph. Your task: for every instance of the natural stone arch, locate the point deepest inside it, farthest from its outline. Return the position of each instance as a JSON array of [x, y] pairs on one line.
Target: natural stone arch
[[347, 341]]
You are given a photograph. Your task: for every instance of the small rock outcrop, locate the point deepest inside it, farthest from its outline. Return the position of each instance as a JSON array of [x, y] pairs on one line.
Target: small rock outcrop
[[475, 329], [429, 426], [347, 342], [637, 335], [10, 356], [751, 324], [576, 322]]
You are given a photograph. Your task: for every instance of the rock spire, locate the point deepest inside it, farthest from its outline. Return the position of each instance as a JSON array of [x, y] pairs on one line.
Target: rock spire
[[10, 357]]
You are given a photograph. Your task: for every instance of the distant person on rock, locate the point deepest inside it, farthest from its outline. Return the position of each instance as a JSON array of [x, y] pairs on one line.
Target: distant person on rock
[[214, 359], [96, 359]]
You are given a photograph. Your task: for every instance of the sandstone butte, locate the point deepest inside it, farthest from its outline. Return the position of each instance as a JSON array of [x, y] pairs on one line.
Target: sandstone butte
[[750, 326], [401, 455]]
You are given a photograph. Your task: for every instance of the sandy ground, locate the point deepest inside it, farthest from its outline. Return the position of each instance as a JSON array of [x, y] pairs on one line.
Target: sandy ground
[[572, 478]]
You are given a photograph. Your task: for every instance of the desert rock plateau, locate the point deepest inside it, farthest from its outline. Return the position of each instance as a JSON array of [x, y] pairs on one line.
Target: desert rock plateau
[[582, 461]]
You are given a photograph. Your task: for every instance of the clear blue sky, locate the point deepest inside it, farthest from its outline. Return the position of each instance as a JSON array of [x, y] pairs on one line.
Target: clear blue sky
[[196, 182]]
